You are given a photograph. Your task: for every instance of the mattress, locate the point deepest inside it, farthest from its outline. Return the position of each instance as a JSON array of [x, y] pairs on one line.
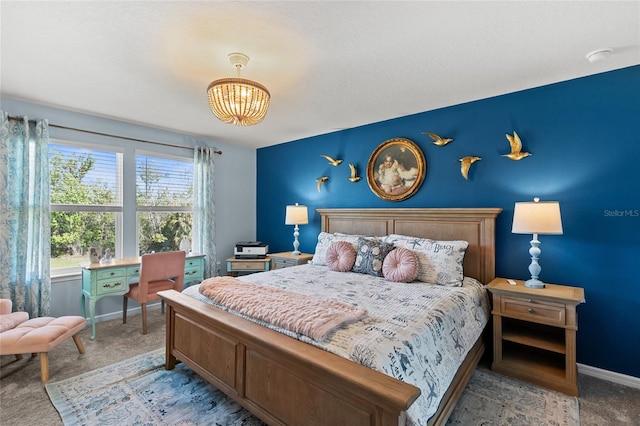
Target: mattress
[[416, 332]]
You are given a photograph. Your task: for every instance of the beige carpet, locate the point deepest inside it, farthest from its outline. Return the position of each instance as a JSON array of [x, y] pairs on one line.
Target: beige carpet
[[494, 399]]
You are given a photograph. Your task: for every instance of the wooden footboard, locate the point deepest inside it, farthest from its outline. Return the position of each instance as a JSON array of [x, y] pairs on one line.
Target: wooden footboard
[[279, 379]]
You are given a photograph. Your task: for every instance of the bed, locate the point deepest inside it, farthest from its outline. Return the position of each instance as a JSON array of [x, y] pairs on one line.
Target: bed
[[283, 380]]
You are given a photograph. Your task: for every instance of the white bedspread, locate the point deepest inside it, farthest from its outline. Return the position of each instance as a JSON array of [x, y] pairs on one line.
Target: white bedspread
[[418, 333]]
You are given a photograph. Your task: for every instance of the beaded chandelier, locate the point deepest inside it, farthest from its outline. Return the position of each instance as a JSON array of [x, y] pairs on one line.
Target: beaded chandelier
[[237, 100]]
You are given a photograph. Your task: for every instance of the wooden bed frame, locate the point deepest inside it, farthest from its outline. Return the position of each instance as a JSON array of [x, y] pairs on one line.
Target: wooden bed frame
[[287, 382]]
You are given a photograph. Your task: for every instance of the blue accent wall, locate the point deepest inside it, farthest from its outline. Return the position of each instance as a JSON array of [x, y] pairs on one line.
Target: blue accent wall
[[584, 136]]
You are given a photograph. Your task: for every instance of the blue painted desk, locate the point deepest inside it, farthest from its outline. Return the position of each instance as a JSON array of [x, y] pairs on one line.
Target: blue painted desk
[[112, 279]]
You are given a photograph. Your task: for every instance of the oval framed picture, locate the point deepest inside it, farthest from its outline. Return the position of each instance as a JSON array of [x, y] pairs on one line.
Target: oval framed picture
[[396, 169]]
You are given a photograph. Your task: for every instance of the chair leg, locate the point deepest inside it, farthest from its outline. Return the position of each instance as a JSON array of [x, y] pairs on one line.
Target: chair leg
[[44, 366], [124, 309], [18, 356], [144, 318], [78, 343], [162, 306]]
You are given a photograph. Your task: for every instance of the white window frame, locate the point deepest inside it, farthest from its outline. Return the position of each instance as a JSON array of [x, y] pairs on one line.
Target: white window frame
[[126, 243], [74, 208], [163, 209]]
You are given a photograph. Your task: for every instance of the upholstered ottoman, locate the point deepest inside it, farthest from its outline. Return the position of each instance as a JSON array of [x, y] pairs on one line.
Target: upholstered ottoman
[[39, 335]]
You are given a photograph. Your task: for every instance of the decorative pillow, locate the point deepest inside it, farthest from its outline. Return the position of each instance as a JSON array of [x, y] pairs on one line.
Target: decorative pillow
[[440, 262], [341, 255], [370, 256], [400, 265], [324, 241]]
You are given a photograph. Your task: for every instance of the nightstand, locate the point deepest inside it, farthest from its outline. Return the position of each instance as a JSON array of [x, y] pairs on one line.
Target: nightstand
[[235, 266], [534, 333], [286, 259]]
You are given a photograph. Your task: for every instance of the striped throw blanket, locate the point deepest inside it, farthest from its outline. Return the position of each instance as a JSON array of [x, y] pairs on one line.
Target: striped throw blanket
[[313, 317]]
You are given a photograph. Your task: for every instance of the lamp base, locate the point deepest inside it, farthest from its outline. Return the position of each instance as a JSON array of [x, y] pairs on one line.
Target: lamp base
[[296, 243], [533, 283]]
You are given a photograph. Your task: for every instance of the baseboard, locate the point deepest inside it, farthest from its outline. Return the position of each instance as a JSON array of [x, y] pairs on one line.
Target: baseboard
[[610, 376]]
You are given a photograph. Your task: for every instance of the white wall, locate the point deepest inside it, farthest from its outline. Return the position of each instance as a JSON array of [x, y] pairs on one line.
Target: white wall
[[235, 187]]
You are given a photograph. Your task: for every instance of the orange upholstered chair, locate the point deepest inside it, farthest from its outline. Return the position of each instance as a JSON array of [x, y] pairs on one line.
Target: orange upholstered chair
[[158, 272]]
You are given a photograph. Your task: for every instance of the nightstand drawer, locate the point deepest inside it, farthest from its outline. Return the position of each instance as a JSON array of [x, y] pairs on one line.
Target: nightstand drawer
[[235, 266], [285, 259], [284, 263], [533, 310], [239, 265]]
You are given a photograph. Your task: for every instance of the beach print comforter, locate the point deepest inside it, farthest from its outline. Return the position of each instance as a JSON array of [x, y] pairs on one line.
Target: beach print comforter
[[416, 332]]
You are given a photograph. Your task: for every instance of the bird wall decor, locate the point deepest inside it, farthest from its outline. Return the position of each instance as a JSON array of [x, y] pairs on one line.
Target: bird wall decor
[[437, 140], [516, 148], [465, 164], [354, 173], [332, 160], [321, 180]]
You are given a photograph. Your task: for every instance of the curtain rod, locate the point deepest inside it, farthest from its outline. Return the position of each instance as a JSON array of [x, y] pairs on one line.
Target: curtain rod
[[111, 136]]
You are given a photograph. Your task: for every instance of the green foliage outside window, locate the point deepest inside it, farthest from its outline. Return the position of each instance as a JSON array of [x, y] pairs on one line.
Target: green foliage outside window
[[72, 233], [76, 183]]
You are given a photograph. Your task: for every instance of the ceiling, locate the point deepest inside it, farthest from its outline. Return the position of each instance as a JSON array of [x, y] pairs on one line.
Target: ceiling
[[328, 65]]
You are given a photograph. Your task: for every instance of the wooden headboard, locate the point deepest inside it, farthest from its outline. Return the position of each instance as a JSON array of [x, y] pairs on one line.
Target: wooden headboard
[[475, 225]]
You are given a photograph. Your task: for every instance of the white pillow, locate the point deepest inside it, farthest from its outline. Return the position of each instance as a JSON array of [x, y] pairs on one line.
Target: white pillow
[[324, 241], [440, 262]]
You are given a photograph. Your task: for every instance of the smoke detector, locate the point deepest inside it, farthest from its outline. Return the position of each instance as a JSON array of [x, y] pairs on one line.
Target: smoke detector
[[598, 55]]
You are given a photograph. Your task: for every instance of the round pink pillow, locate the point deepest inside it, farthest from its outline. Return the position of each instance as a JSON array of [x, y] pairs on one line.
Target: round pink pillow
[[341, 256], [400, 265]]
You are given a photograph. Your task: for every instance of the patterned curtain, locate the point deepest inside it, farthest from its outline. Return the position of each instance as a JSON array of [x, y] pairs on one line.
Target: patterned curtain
[[25, 219], [204, 210]]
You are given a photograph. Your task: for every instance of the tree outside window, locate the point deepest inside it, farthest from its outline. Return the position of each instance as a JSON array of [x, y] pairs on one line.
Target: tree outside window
[[87, 207]]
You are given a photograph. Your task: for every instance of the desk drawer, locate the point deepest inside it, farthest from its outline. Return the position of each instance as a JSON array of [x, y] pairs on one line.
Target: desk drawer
[[110, 273], [533, 310], [133, 271], [191, 274], [196, 262], [112, 286]]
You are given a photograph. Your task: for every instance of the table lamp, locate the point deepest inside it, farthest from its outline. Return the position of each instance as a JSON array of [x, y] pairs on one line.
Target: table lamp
[[296, 215], [536, 218]]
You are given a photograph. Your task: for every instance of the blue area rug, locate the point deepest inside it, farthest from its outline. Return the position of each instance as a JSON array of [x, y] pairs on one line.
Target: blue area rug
[[139, 391]]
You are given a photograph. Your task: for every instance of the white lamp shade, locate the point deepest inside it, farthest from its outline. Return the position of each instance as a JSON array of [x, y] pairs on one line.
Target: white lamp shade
[[537, 217], [296, 215]]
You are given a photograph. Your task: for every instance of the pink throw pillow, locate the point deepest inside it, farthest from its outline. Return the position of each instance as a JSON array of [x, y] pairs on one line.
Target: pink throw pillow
[[400, 265], [341, 255]]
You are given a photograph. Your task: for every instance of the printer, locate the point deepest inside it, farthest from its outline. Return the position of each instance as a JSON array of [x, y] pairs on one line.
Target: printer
[[251, 250]]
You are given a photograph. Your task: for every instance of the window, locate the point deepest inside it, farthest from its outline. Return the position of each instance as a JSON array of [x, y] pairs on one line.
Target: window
[[164, 199], [86, 203], [90, 207]]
